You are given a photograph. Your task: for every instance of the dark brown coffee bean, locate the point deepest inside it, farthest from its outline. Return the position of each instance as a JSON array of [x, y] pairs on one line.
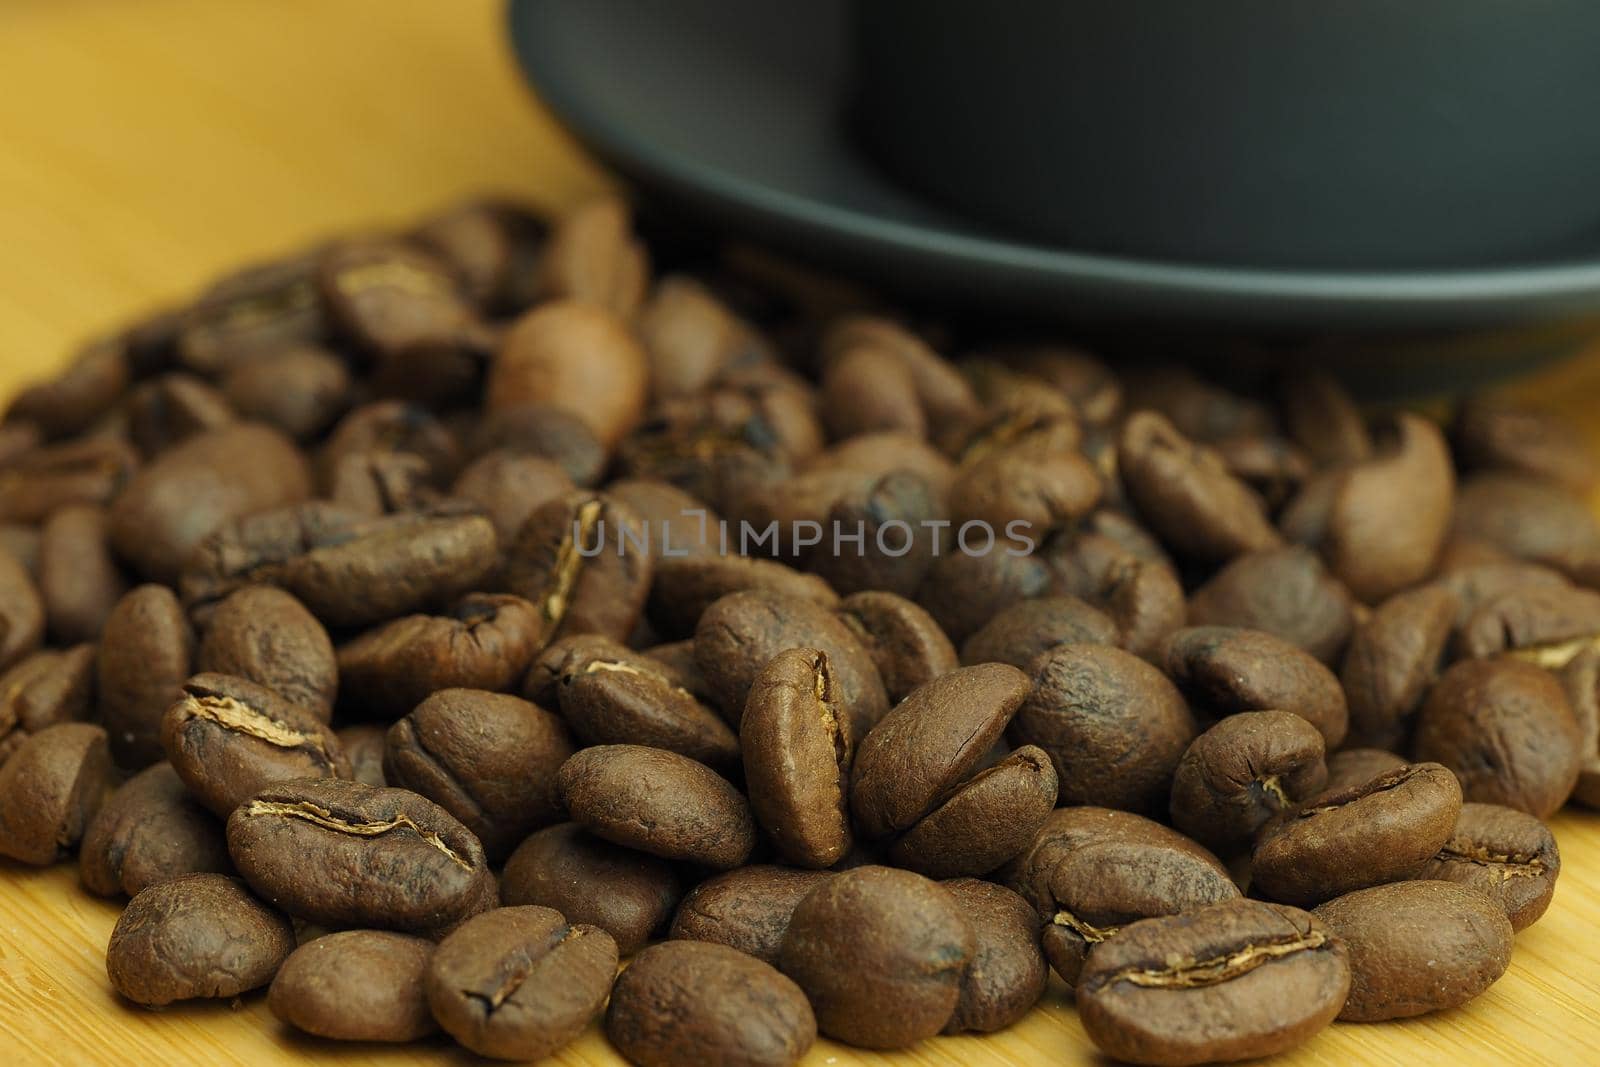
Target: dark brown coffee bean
[[740, 633], [78, 580], [486, 642], [964, 592], [592, 256], [251, 312], [228, 738], [1384, 831], [363, 746], [299, 390], [577, 357], [658, 802], [681, 526], [345, 854], [356, 985], [1198, 408], [266, 636], [1024, 493], [1007, 973], [392, 298], [943, 392], [147, 831], [510, 486], [195, 488], [1508, 855], [489, 245], [1286, 592], [1393, 657], [1526, 517], [798, 743], [1115, 567], [1358, 766], [380, 483], [45, 689], [22, 612], [1243, 771], [1323, 419], [1099, 888], [22, 543], [1186, 494], [89, 470], [676, 660], [80, 394], [1223, 670], [391, 428], [1272, 466], [545, 431], [1543, 626], [627, 894], [905, 643], [684, 588], [1507, 732], [1235, 981], [897, 516], [166, 411], [1021, 632], [575, 563], [146, 652], [1491, 434], [747, 908], [198, 935], [1417, 947], [1581, 680], [985, 821], [519, 983], [487, 758], [50, 789], [687, 1002], [1113, 725]]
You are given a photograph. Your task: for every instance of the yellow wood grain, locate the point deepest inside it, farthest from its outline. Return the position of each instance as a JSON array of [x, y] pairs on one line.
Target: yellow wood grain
[[146, 147]]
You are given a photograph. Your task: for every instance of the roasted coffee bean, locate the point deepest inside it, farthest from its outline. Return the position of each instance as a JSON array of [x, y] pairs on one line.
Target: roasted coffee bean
[[486, 642], [963, 592], [740, 633], [488, 245], [897, 515], [1286, 592], [985, 821], [363, 745], [628, 894], [881, 954], [680, 526], [168, 410], [684, 588], [869, 389], [356, 985], [1007, 973], [1358, 766], [146, 652], [1113, 725], [22, 544], [78, 396], [198, 486], [391, 428], [658, 802], [1198, 408], [147, 831], [592, 256], [510, 486], [1024, 493], [22, 611], [1417, 947], [676, 660], [1507, 732], [1526, 517], [797, 744], [300, 390], [79, 582], [50, 788], [1099, 888], [943, 392], [1273, 467], [1235, 981], [228, 738], [198, 935], [1224, 670], [1021, 632], [905, 643], [489, 759], [1133, 584], [574, 563], [1384, 831], [1581, 680], [1491, 434], [747, 908], [1393, 657], [1094, 391], [545, 431], [611, 695], [519, 983], [1543, 626], [380, 483], [1186, 494], [264, 635], [249, 313], [687, 1002], [89, 470], [390, 297], [1323, 419], [45, 689], [1243, 771], [1506, 854], [341, 853], [690, 336]]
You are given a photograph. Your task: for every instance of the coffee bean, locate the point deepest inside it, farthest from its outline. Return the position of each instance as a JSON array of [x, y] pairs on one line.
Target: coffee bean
[[1007, 973], [1506, 854], [251, 312], [45, 689], [300, 390], [748, 908], [897, 515], [684, 588], [1417, 947], [681, 526], [1025, 493], [881, 954], [79, 582], [658, 802], [1358, 766], [391, 429], [147, 831], [1286, 592], [1020, 633], [1506, 730], [345, 854], [1113, 725], [74, 399], [363, 745], [985, 822], [868, 389], [1392, 659], [146, 652], [1543, 626], [22, 612], [905, 643], [89, 470], [1198, 408], [1131, 582], [1384, 831], [1322, 417], [696, 1002], [627, 894], [381, 483], [168, 410], [1581, 680], [50, 789], [264, 635], [519, 983], [1243, 771], [22, 544], [544, 431], [197, 935], [690, 336], [1272, 466], [1235, 981], [963, 592], [489, 759], [592, 256], [510, 486], [1527, 518], [356, 985], [1491, 434], [391, 298], [228, 738], [1225, 670]]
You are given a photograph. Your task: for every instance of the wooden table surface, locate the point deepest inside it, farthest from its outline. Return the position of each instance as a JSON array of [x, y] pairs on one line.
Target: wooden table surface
[[146, 147]]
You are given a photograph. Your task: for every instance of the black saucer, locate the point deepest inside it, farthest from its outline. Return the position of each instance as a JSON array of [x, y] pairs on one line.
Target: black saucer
[[730, 108]]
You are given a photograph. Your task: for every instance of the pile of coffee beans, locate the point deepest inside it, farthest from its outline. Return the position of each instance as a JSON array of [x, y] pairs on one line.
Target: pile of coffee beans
[[423, 625]]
